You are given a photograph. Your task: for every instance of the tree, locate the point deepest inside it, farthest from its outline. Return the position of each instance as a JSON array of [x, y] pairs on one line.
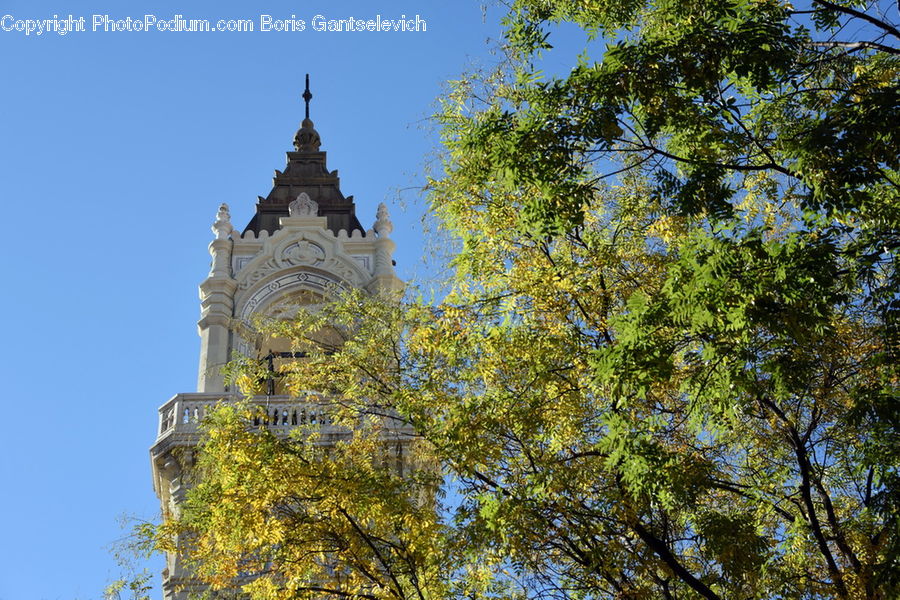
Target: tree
[[291, 518], [667, 365]]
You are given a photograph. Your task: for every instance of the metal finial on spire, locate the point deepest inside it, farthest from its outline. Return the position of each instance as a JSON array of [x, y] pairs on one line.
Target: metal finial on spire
[[307, 138], [307, 96]]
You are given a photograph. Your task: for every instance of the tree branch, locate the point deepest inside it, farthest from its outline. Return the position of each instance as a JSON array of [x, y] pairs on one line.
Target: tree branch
[[859, 15], [853, 46]]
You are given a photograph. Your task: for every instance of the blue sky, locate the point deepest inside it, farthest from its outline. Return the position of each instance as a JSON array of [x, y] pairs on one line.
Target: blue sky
[[115, 151]]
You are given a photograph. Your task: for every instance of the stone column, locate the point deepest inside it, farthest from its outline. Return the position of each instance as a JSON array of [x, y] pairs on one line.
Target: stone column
[[385, 279], [216, 307]]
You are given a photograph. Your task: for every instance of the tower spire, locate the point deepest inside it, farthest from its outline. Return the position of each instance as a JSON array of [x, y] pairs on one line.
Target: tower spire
[[307, 95], [307, 138]]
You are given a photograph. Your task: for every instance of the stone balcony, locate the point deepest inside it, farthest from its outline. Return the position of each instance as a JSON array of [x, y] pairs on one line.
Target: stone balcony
[[180, 417], [180, 421]]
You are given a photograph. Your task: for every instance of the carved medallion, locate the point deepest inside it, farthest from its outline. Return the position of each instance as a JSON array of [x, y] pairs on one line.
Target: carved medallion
[[303, 206], [303, 253]]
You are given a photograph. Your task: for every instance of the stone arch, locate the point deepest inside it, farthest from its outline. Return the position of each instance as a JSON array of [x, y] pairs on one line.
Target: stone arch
[[266, 295], [264, 292]]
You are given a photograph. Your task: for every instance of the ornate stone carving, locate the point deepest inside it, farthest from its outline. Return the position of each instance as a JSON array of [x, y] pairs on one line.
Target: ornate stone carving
[[258, 273], [319, 283], [303, 253], [222, 227], [307, 138], [384, 246], [383, 226], [364, 262], [342, 270], [240, 262], [303, 206]]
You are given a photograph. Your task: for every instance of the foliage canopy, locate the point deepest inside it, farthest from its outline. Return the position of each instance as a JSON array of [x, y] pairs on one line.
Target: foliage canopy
[[667, 365]]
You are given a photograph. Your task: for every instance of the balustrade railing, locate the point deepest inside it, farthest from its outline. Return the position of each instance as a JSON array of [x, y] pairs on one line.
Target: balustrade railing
[[185, 412]]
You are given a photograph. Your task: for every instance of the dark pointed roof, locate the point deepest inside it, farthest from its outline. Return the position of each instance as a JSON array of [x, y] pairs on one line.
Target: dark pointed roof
[[306, 171]]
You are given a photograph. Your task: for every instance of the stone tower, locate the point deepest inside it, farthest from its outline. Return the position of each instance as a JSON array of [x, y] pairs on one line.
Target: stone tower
[[303, 244]]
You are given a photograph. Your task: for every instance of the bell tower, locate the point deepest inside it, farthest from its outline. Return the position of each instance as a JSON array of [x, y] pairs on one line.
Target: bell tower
[[303, 245]]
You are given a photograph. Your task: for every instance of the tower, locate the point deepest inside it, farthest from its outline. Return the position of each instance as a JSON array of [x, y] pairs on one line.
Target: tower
[[303, 244]]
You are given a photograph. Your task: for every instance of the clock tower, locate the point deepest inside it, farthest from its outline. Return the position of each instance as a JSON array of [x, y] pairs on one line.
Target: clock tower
[[303, 245]]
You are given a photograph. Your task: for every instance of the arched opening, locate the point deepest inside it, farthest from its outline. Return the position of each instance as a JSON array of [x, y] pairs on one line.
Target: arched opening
[[276, 352]]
